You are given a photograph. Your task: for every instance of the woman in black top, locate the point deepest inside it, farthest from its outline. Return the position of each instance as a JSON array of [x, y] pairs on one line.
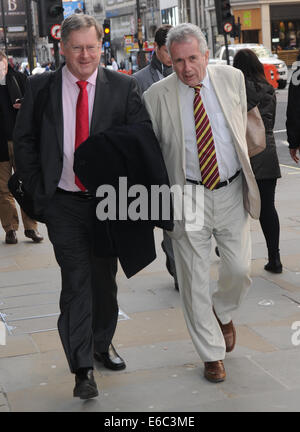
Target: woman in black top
[[265, 165]]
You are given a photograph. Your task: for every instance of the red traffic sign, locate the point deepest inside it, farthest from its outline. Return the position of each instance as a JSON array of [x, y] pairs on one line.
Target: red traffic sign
[[228, 27], [56, 31]]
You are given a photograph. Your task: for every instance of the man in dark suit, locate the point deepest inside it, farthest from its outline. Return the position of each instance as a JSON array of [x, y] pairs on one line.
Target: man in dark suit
[[159, 68], [83, 99], [292, 115]]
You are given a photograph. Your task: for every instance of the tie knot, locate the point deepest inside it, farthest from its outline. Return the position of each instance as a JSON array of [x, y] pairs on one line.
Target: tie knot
[[197, 88], [82, 84]]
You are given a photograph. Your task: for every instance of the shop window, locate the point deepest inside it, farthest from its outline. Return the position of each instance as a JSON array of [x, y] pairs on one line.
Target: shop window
[[250, 36], [170, 16], [286, 34]]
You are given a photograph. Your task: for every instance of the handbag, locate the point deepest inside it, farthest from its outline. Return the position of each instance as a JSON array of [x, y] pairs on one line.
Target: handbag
[[255, 133], [23, 198]]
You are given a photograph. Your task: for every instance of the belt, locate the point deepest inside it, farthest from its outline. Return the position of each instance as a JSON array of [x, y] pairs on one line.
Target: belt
[[219, 185], [81, 194]]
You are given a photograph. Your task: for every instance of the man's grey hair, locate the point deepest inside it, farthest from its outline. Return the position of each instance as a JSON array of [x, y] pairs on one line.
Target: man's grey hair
[[77, 22], [183, 32]]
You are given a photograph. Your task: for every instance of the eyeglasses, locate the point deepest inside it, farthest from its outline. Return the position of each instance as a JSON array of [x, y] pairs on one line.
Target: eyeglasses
[[91, 49]]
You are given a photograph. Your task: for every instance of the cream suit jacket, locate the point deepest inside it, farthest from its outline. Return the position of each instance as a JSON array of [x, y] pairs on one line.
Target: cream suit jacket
[[162, 103]]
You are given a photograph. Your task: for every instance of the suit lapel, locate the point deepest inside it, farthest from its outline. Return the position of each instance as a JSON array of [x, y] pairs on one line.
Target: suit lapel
[[154, 74], [172, 102], [57, 108], [101, 98]]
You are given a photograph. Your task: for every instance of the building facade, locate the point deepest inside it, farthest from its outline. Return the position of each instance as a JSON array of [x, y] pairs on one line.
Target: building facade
[[274, 23]]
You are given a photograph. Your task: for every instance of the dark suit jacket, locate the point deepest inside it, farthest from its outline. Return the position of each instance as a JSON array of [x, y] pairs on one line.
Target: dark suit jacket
[[39, 147], [293, 111], [146, 77], [131, 152], [15, 86]]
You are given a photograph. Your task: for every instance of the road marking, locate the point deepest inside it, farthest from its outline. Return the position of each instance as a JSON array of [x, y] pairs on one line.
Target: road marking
[[280, 131], [289, 166]]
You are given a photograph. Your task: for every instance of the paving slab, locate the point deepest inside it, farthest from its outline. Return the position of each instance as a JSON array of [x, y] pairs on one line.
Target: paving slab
[[164, 372]]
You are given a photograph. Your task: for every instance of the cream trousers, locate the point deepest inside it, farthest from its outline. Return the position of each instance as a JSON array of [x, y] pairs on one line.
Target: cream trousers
[[226, 219]]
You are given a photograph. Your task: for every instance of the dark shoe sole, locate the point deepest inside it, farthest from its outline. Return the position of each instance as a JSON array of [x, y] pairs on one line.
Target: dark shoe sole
[[86, 396], [35, 240], [11, 242], [107, 365], [273, 270], [214, 380]]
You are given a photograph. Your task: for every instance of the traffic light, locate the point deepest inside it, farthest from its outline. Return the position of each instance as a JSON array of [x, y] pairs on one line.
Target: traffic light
[[50, 12], [223, 14], [106, 37]]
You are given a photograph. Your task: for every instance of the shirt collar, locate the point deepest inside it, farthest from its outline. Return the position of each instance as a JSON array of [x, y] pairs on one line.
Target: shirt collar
[[91, 80], [206, 81], [185, 88]]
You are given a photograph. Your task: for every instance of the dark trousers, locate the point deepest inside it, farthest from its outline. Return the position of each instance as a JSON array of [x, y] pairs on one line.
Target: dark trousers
[[268, 219], [88, 301]]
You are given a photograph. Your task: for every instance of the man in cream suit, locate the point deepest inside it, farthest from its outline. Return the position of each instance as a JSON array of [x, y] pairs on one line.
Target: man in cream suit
[[199, 115]]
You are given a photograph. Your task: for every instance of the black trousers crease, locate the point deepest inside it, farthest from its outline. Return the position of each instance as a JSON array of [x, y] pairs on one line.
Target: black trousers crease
[[88, 300]]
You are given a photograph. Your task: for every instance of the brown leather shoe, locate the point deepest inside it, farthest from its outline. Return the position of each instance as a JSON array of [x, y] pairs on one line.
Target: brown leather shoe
[[214, 371], [229, 334]]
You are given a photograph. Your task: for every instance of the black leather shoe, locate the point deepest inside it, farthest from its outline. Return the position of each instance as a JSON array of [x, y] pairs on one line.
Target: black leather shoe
[[34, 235], [85, 385], [11, 237], [111, 359], [274, 266]]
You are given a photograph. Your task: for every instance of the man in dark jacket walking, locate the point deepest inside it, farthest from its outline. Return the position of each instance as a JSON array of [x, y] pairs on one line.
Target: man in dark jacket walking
[[159, 68], [292, 115], [160, 65], [12, 85]]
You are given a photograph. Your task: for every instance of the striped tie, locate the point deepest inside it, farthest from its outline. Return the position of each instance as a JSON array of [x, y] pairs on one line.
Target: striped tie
[[205, 144]]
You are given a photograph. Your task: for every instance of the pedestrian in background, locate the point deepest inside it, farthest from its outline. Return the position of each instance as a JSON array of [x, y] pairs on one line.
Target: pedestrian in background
[[265, 165], [159, 68], [199, 115], [293, 115], [160, 65], [114, 64], [12, 87]]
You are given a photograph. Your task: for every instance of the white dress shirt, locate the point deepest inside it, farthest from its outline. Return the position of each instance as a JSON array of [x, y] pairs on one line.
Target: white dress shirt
[[70, 92], [227, 158]]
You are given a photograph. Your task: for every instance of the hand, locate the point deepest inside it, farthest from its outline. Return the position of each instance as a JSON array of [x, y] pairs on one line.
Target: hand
[[17, 105], [293, 153]]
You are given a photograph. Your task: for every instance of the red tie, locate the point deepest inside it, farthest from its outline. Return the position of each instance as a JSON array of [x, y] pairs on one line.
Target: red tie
[[82, 121]]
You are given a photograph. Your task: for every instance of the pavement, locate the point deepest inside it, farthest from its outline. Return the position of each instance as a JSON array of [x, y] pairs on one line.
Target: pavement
[[164, 372]]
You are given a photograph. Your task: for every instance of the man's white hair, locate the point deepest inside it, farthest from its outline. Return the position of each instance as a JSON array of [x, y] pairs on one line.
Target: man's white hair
[[182, 32]]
